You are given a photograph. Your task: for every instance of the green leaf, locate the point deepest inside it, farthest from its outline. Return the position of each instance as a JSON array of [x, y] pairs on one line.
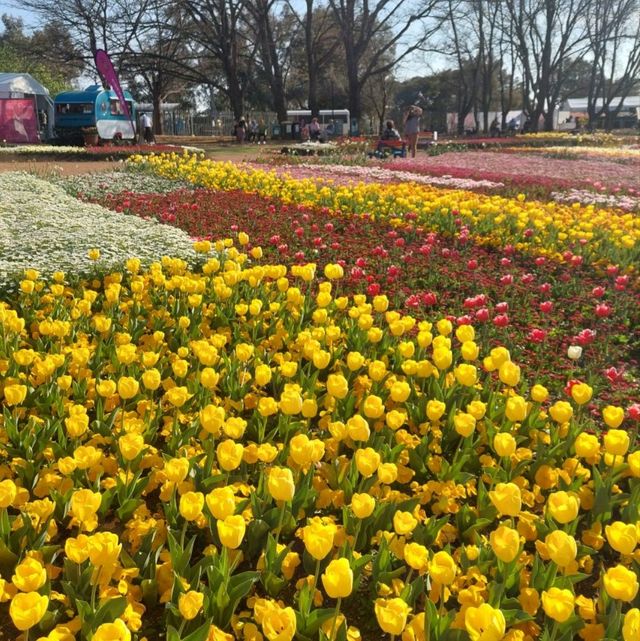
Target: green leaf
[[200, 634], [110, 611]]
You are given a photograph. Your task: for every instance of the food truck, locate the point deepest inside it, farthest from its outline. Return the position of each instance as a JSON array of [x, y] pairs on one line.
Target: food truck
[[93, 112]]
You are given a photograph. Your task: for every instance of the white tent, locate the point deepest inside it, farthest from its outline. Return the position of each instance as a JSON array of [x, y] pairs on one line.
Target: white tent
[[21, 86]]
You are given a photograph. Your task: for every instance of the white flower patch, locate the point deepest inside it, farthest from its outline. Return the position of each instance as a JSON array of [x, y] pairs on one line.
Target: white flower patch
[[116, 182], [42, 149], [625, 202], [382, 175], [44, 228]]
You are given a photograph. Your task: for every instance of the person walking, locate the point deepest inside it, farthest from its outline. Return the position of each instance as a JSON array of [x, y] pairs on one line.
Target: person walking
[[146, 124], [412, 128]]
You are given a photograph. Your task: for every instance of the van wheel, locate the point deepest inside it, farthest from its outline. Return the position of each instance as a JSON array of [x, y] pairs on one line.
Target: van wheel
[[117, 139]]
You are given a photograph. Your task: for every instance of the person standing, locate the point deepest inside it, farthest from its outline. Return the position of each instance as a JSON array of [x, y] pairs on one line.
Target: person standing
[[146, 124], [412, 128], [241, 130]]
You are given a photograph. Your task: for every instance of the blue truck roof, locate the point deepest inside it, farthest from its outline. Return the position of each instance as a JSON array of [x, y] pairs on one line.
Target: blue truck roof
[[88, 94]]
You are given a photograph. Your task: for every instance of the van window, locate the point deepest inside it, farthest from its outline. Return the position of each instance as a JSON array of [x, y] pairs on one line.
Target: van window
[[116, 107], [75, 108]]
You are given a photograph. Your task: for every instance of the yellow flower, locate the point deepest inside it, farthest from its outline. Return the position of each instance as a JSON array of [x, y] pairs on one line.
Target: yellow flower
[[116, 631], [558, 604], [15, 394], [391, 615], [130, 445], [318, 539], [466, 374], [504, 444], [151, 379], [561, 411], [404, 523], [622, 537], [231, 531], [337, 385], [278, 624], [631, 625], [244, 351], [505, 543], [176, 469], [337, 579], [29, 575], [435, 410], [562, 548], [563, 507], [178, 396], [358, 428], [507, 498], [93, 254], [373, 407], [8, 493], [539, 393], [416, 556], [127, 387], [616, 442], [484, 623], [442, 568], [362, 505], [587, 445], [229, 455], [333, 271], [613, 416], [106, 389], [509, 373], [400, 391], [27, 609], [191, 504], [464, 424], [280, 484], [516, 408], [221, 502], [367, 461], [581, 393], [621, 583], [84, 505]]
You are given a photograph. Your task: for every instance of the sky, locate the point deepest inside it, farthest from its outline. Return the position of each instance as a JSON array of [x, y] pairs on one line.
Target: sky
[[407, 69]]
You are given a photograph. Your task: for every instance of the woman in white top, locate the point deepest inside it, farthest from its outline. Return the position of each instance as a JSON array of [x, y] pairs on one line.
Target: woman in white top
[[412, 127]]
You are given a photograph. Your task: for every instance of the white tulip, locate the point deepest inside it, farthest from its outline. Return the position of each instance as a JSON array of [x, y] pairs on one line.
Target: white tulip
[[574, 352]]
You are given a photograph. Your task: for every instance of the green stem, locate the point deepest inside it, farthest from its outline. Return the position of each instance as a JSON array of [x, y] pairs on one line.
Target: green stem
[[554, 631], [281, 519], [181, 628], [335, 618], [183, 533]]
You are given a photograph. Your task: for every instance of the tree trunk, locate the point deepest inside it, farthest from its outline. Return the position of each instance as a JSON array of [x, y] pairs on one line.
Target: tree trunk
[[156, 100]]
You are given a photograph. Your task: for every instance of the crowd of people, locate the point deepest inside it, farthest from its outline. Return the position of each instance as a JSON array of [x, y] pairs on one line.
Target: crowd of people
[[253, 131]]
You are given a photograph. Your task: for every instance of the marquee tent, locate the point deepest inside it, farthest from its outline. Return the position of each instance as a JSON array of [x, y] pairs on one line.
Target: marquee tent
[[26, 110]]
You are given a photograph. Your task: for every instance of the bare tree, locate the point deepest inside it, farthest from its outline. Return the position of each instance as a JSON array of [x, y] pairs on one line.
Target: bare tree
[[549, 36], [217, 31], [272, 49], [159, 53], [94, 24], [321, 40], [613, 29], [369, 29]]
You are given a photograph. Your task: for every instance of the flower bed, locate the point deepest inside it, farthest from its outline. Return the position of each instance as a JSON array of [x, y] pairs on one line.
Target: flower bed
[[90, 186], [231, 453], [538, 307], [527, 170], [98, 152], [55, 231], [547, 229]]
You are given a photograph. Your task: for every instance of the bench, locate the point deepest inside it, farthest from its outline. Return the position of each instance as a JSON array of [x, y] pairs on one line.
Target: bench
[[393, 148]]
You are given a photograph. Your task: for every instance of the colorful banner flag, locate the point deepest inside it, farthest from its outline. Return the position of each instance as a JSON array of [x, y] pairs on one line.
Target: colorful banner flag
[[108, 73]]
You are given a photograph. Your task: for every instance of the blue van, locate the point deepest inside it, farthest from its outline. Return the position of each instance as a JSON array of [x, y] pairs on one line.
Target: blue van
[[93, 107]]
